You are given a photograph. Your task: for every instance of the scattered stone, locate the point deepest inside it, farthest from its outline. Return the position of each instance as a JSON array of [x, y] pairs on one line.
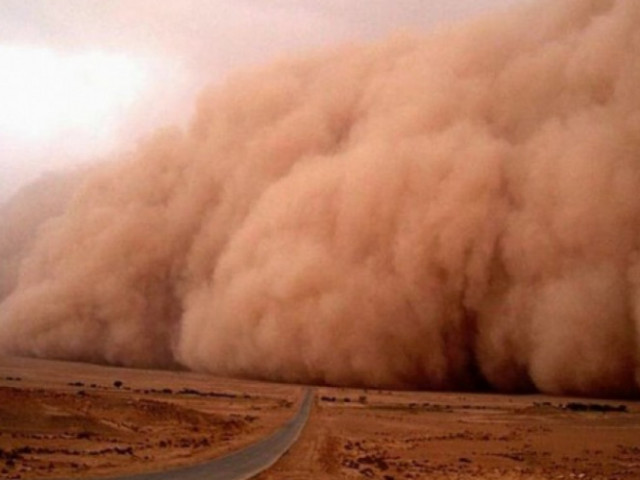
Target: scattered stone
[[594, 407]]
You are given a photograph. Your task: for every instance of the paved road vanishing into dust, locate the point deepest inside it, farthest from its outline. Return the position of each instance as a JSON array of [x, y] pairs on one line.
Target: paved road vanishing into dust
[[244, 463]]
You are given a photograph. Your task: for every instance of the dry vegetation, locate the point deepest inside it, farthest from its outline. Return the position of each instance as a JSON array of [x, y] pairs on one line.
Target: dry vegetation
[[70, 420]]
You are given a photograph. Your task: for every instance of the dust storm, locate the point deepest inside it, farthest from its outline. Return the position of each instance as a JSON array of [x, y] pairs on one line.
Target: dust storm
[[457, 210]]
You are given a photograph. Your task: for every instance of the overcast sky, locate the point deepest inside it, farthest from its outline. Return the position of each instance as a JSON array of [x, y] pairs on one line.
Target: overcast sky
[[173, 47]]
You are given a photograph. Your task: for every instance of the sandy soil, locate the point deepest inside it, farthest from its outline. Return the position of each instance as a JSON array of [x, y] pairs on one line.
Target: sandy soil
[[405, 435], [72, 420], [66, 420]]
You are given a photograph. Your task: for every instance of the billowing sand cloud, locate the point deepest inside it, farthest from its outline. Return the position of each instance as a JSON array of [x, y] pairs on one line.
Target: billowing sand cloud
[[454, 211]]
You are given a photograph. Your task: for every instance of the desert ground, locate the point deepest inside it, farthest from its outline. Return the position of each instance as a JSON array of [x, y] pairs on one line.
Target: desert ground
[[421, 435], [68, 420]]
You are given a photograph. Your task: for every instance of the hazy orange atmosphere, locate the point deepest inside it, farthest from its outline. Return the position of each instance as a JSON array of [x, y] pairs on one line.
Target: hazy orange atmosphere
[[447, 208]]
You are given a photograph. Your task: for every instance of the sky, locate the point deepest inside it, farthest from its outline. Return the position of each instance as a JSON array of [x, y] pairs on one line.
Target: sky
[[81, 79]]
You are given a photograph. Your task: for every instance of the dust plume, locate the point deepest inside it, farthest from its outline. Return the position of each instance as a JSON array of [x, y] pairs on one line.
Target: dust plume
[[25, 213], [454, 211]]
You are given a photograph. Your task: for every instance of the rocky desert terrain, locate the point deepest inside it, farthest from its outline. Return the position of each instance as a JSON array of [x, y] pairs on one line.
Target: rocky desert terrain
[[421, 435], [68, 420]]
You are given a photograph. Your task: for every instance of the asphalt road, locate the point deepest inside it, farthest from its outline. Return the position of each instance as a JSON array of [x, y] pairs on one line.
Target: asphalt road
[[244, 463]]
